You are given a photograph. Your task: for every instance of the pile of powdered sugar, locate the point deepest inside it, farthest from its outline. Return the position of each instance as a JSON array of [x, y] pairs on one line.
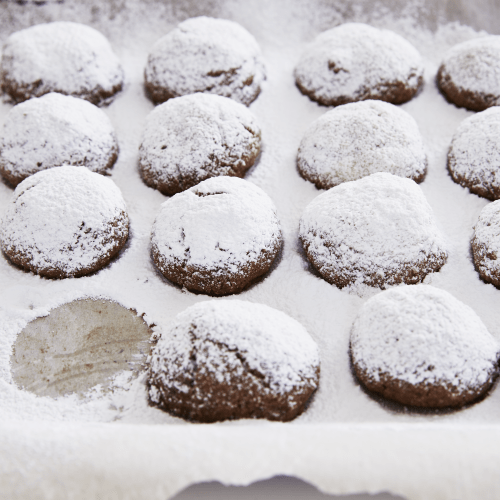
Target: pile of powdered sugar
[[421, 334], [359, 139]]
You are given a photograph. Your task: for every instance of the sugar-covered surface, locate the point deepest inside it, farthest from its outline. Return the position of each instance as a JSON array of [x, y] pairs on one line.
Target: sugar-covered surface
[[282, 29], [422, 334], [359, 139], [55, 130]]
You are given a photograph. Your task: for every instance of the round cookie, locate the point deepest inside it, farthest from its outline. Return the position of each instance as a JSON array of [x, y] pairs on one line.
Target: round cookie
[[474, 154], [205, 55], [469, 75], [486, 244], [55, 130], [233, 359], [422, 347], [377, 231], [217, 237], [64, 222], [64, 57], [358, 139], [354, 62], [192, 138]]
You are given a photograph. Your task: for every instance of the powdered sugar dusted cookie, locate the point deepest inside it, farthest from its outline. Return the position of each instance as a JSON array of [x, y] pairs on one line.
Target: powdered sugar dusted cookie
[[64, 57], [486, 243], [378, 231], [216, 237], [64, 222], [420, 346], [354, 62], [469, 75], [55, 130], [359, 139], [192, 138], [233, 359], [205, 55], [474, 155]]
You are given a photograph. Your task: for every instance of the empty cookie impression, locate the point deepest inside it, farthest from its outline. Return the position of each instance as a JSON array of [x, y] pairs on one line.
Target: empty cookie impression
[[469, 75], [205, 55], [359, 139], [64, 222], [216, 237], [376, 231], [69, 58], [192, 138], [233, 359], [354, 62], [421, 347], [52, 131]]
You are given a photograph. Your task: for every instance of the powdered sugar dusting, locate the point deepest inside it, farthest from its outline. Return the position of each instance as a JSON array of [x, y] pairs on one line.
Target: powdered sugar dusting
[[65, 218], [271, 343], [55, 130], [70, 58], [223, 222], [486, 241], [474, 66], [371, 227], [191, 138], [207, 55], [355, 61], [359, 139], [421, 334]]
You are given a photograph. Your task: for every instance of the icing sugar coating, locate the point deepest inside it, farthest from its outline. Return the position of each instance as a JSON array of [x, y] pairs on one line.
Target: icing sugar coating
[[420, 346], [192, 138], [234, 359], [69, 58], [378, 230], [474, 155], [55, 130], [205, 55], [64, 222], [358, 139], [216, 237], [469, 75], [486, 243], [354, 62]]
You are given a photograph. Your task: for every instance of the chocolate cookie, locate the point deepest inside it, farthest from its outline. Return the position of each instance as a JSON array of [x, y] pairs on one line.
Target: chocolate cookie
[[469, 75], [64, 222], [232, 359], [192, 138], [64, 57], [217, 237], [421, 347], [377, 231], [486, 244], [474, 154], [205, 55], [55, 130], [354, 62], [359, 139]]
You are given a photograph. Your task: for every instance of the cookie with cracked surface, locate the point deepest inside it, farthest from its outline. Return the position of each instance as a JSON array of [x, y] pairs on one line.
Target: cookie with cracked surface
[[422, 347], [358, 139], [474, 154], [69, 58], [486, 244], [225, 360], [195, 137], [204, 54], [64, 222], [354, 61], [217, 237], [55, 130], [377, 231], [469, 75]]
